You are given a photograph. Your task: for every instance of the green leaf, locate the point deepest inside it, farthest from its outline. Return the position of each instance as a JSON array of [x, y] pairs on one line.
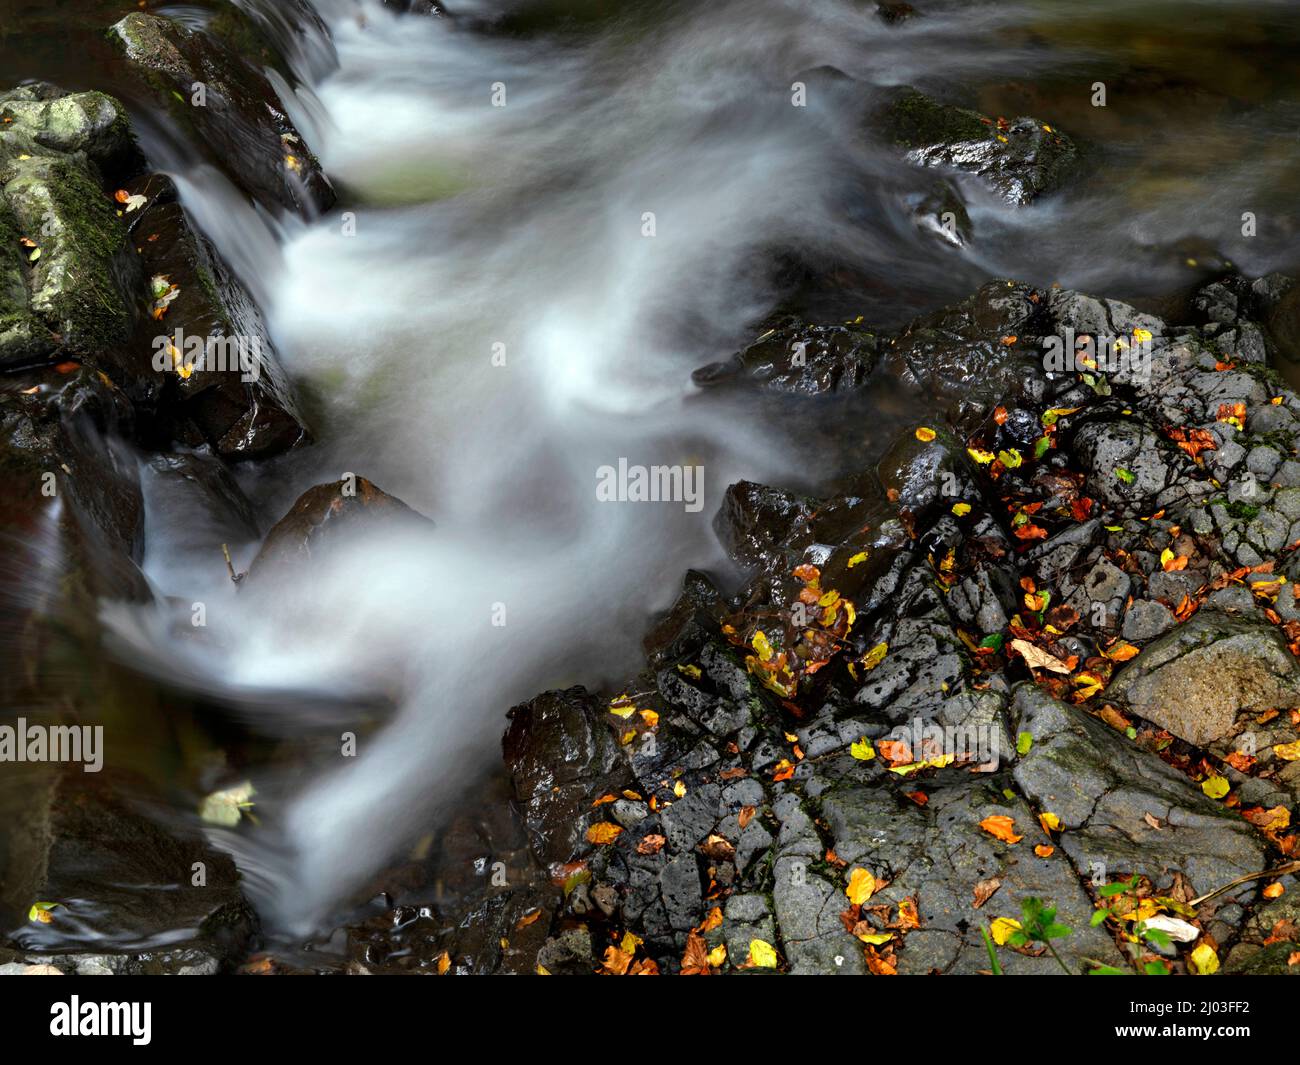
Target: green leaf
[[1124, 475], [226, 807], [1107, 970], [994, 641], [1041, 446], [1098, 917], [1024, 742], [1156, 968]]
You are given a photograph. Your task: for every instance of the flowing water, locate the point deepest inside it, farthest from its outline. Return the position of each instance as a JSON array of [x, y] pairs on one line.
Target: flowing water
[[485, 320]]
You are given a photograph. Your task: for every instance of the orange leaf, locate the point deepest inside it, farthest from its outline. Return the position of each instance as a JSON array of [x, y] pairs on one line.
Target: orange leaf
[[1002, 827], [604, 832]]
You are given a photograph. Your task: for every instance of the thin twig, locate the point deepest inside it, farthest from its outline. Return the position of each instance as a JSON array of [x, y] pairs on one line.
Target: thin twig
[[1281, 870]]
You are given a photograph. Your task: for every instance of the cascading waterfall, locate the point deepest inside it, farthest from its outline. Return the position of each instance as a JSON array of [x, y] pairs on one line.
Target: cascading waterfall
[[511, 297]]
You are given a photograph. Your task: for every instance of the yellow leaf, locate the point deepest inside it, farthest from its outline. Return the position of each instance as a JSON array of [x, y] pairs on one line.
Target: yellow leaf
[[762, 954], [604, 832], [623, 711], [875, 939], [762, 646], [1002, 928], [862, 885], [650, 717], [1204, 961], [982, 457], [630, 942], [860, 557], [1050, 822], [925, 434], [961, 509], [862, 750], [40, 912], [875, 656], [691, 671], [718, 955], [1215, 786], [679, 789], [1288, 752], [1141, 335]]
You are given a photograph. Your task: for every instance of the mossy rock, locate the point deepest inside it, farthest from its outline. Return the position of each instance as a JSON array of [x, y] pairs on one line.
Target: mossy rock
[[914, 120], [84, 283]]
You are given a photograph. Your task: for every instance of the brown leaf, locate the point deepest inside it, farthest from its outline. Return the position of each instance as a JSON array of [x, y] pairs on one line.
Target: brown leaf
[[651, 844], [695, 962], [985, 890]]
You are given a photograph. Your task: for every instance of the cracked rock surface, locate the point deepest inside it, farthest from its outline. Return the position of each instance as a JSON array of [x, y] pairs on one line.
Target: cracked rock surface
[[1046, 647]]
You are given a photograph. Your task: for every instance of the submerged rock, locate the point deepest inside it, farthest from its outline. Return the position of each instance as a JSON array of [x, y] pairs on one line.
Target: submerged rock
[[130, 895]]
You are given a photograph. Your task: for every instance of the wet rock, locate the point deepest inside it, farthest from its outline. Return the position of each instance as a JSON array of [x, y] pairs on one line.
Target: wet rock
[[796, 358], [959, 351], [942, 213], [755, 520], [925, 476], [241, 118], [70, 483], [894, 12], [416, 7], [1196, 680], [128, 901], [1102, 788], [327, 517], [1125, 462], [560, 753], [204, 499], [208, 365], [1019, 160]]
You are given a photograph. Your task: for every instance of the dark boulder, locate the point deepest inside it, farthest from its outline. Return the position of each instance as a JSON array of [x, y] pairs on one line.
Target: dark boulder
[[131, 895], [794, 357], [560, 753], [328, 517], [1019, 160], [240, 117]]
